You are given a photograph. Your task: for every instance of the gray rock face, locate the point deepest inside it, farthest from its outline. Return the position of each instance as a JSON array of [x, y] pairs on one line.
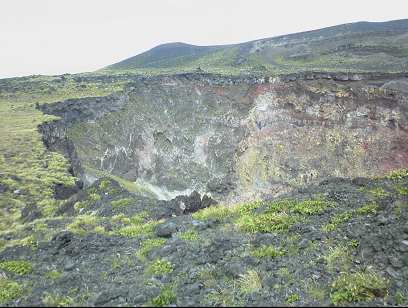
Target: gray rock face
[[233, 137]]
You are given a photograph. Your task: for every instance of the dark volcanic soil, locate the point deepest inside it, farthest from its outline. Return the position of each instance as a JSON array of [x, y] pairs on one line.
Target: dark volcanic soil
[[210, 259]]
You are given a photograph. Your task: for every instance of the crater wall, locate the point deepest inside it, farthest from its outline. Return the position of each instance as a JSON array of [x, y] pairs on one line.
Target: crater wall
[[237, 138]]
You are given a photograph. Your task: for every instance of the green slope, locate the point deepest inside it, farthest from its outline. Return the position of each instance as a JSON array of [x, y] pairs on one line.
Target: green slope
[[362, 46]]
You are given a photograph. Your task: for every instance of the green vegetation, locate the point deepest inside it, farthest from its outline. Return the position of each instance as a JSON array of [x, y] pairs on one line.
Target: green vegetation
[[84, 224], [222, 213], [139, 218], [292, 298], [190, 235], [160, 267], [360, 286], [136, 229], [336, 220], [403, 191], [28, 241], [267, 251], [120, 261], [356, 49], [310, 207], [377, 192], [18, 267], [93, 197], [217, 212], [53, 275], [121, 219], [25, 164], [250, 282], [315, 291], [165, 298], [122, 202], [276, 216], [148, 245], [370, 208], [104, 184], [397, 174], [79, 206], [400, 298], [265, 223], [338, 258], [222, 297], [9, 290], [280, 215], [284, 273], [353, 243], [55, 300]]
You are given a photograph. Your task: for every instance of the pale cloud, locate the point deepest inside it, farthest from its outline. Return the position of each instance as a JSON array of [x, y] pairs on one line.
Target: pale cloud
[[58, 36]]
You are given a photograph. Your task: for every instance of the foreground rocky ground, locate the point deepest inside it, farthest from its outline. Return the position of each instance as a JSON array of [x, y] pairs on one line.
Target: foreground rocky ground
[[339, 242]]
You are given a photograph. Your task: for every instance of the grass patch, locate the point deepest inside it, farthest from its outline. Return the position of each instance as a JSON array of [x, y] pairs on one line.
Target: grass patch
[[190, 235], [136, 229], [148, 245], [222, 213], [250, 282], [94, 197], [315, 291], [279, 215], [403, 191], [338, 258], [121, 219], [160, 267], [165, 298], [400, 298], [122, 203], [56, 300], [376, 192], [356, 287], [9, 290], [84, 224], [217, 212], [370, 208], [337, 220], [292, 298], [285, 274], [310, 207], [104, 184], [18, 267], [265, 223], [276, 216], [28, 241], [53, 275], [397, 174], [222, 297]]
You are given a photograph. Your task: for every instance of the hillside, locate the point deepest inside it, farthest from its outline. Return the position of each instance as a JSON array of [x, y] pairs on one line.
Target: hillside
[[267, 173], [357, 47]]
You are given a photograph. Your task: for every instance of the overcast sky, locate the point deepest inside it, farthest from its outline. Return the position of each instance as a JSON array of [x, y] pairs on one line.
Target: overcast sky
[[69, 36]]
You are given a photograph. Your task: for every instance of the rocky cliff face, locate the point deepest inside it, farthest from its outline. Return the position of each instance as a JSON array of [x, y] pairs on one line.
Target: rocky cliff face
[[70, 112], [237, 138]]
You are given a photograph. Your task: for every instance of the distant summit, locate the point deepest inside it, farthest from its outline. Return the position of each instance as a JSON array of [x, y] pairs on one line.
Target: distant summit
[[361, 46]]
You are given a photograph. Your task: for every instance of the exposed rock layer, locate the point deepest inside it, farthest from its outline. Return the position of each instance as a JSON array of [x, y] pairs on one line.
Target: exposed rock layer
[[238, 137]]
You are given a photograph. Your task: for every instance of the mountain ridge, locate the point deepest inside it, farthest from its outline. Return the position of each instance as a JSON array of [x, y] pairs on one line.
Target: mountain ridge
[[352, 46]]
